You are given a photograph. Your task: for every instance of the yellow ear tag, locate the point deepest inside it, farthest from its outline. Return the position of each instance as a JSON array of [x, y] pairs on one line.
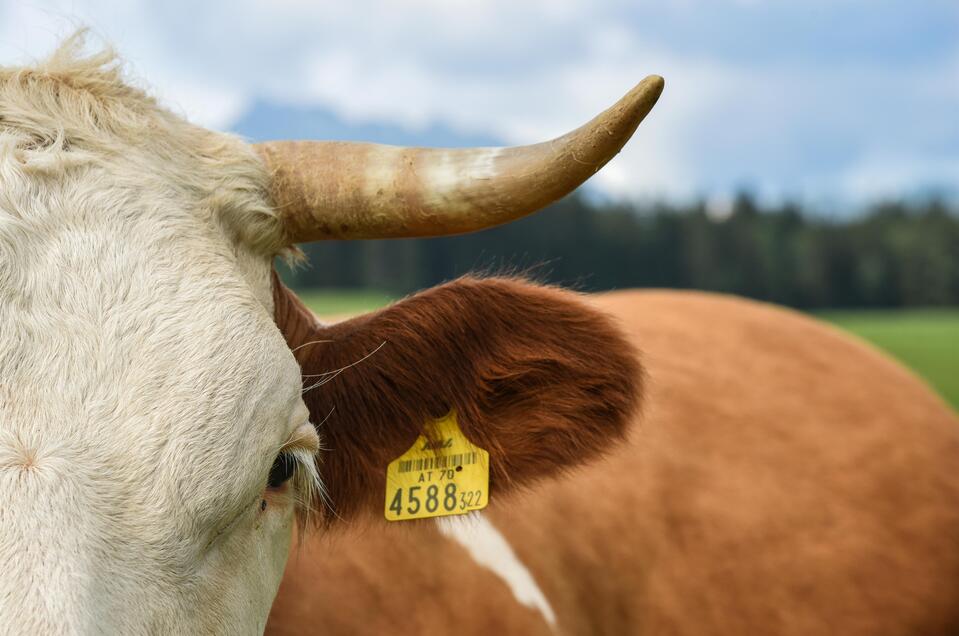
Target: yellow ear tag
[[441, 474]]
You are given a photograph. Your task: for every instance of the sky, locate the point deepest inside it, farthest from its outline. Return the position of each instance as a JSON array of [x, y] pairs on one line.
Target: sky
[[819, 101]]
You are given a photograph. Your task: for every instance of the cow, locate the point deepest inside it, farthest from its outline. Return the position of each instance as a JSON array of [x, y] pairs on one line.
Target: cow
[[185, 448]]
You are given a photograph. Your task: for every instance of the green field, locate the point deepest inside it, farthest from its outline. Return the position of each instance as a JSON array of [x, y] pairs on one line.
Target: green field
[[927, 340], [338, 302]]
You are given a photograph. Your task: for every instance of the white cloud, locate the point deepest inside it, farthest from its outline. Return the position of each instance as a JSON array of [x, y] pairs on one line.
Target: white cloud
[[742, 106], [878, 177]]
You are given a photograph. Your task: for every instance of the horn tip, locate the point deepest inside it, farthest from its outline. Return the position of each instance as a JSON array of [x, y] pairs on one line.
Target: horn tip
[[656, 81], [637, 103], [651, 87]]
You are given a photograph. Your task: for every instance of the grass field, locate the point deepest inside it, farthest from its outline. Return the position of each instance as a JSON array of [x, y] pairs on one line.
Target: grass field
[[338, 302], [927, 340]]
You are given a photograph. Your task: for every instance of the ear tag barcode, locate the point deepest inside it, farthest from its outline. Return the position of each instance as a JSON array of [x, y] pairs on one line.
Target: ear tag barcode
[[441, 474]]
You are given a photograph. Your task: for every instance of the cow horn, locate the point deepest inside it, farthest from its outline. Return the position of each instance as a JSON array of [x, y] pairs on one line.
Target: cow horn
[[339, 190]]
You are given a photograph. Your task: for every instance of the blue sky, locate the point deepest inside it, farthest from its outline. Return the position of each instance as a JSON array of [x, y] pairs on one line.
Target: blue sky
[[816, 100]]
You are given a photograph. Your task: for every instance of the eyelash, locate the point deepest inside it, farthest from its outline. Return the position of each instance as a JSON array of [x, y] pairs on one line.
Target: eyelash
[[297, 467], [284, 468]]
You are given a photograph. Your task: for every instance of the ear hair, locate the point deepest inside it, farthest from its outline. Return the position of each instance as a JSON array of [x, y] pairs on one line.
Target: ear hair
[[538, 378]]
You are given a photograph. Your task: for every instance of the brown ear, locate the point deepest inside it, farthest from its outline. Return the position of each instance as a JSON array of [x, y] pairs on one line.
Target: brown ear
[[538, 378]]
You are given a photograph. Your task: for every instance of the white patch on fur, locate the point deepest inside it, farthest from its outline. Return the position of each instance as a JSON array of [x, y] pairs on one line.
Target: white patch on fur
[[489, 548]]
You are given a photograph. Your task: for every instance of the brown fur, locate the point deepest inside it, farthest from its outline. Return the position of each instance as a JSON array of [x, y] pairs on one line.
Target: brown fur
[[786, 479], [537, 378], [396, 579]]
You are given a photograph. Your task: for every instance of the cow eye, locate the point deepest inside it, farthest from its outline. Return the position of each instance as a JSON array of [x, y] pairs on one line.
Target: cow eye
[[282, 470]]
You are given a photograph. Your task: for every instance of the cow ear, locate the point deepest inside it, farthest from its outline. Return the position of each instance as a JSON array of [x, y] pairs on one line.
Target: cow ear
[[537, 377]]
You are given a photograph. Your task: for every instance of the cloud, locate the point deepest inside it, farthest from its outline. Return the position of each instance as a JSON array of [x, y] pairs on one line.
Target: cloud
[[805, 98]]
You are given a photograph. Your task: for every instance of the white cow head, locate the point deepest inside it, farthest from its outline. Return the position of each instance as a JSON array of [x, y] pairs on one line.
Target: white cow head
[[155, 451]]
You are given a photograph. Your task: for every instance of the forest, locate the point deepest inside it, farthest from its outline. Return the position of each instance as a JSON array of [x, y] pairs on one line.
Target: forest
[[892, 254]]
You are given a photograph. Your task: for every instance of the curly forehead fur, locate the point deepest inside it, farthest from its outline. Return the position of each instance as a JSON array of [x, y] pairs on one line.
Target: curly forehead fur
[[74, 112]]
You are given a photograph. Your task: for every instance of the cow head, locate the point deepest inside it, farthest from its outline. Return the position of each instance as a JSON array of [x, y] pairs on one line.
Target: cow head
[[155, 446]]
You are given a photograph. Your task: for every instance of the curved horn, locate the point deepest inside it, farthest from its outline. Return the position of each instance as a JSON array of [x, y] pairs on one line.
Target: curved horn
[[339, 190]]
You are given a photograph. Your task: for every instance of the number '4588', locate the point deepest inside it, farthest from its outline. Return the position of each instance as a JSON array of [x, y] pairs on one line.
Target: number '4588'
[[431, 499]]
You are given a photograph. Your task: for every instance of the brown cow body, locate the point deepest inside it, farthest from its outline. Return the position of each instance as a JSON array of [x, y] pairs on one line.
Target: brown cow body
[[783, 479]]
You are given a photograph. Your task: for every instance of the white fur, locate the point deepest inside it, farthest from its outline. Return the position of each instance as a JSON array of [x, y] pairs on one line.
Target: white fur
[[144, 389], [490, 549]]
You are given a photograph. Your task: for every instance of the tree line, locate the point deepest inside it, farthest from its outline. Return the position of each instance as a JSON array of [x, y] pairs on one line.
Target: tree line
[[895, 254]]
